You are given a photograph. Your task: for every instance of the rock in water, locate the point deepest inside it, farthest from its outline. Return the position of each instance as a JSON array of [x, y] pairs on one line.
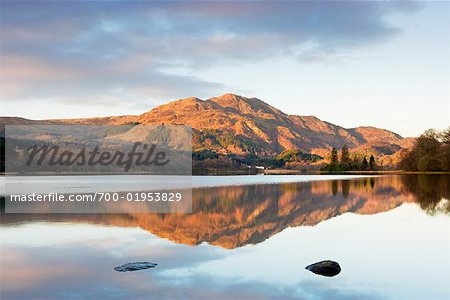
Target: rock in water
[[135, 266], [327, 268]]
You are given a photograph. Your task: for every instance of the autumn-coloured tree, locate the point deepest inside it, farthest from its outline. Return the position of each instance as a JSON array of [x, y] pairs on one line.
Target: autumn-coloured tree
[[345, 157], [431, 152]]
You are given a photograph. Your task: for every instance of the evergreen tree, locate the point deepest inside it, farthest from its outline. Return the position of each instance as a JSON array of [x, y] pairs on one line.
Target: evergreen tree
[[364, 164], [345, 158], [334, 157], [372, 164], [355, 163]]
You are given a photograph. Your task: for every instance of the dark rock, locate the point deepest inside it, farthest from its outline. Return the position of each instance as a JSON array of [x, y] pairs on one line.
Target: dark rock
[[135, 266], [327, 268]]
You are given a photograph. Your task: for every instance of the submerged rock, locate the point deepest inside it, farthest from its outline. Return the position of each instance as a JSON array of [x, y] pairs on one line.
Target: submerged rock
[[135, 266], [327, 268]]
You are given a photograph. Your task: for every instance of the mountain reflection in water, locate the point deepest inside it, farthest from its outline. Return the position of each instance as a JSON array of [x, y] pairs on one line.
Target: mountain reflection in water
[[234, 216]]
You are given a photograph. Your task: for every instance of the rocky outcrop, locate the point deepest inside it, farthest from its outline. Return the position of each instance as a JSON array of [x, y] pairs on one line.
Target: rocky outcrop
[[326, 268], [135, 266]]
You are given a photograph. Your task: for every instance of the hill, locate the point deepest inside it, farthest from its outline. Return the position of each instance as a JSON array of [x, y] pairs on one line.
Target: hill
[[232, 124]]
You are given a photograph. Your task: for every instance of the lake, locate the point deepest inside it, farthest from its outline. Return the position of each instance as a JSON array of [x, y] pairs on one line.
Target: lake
[[248, 237]]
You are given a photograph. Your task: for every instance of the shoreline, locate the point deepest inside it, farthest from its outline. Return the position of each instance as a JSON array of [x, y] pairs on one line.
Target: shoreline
[[243, 173], [381, 172]]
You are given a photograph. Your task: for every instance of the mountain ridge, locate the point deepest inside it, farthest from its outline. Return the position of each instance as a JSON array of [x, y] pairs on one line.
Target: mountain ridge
[[233, 124]]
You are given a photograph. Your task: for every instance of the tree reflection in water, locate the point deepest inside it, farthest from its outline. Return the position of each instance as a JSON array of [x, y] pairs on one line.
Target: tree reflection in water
[[432, 192]]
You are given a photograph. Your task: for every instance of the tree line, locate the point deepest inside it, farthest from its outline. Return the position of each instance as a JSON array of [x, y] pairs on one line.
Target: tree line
[[347, 163], [431, 152]]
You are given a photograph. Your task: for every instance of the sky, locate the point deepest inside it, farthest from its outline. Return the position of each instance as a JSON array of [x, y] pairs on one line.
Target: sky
[[383, 64]]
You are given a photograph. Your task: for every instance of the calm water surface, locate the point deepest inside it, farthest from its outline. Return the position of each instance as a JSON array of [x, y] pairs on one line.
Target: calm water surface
[[244, 240]]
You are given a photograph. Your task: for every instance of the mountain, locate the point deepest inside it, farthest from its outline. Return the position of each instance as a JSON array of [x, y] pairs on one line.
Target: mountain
[[232, 124]]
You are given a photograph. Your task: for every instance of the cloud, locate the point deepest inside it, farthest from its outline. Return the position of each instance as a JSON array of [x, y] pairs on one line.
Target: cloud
[[91, 51], [26, 78], [31, 266]]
